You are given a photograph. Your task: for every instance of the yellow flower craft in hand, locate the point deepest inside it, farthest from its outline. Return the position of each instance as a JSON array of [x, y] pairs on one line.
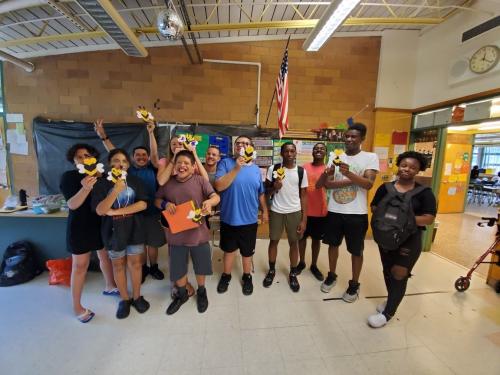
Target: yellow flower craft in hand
[[248, 154], [188, 139], [90, 167], [116, 174], [279, 174], [143, 114]]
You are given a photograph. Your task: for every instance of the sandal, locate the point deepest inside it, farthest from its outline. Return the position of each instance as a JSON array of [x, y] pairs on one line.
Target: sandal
[[86, 316], [112, 292]]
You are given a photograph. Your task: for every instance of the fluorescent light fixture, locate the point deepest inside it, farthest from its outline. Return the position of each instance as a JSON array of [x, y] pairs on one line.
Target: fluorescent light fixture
[[489, 125], [458, 128], [334, 16]]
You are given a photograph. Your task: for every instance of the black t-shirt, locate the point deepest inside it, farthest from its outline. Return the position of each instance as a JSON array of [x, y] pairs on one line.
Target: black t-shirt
[[424, 203], [120, 231], [83, 230]]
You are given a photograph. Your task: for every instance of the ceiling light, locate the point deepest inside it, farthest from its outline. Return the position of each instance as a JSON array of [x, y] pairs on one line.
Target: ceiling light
[[458, 128], [333, 17]]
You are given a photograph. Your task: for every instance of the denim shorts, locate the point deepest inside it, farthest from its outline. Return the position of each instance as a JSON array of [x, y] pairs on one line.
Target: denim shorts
[[129, 250]]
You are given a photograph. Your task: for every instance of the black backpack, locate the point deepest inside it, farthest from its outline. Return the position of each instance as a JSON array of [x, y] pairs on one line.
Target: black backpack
[[300, 171], [19, 264], [394, 220]]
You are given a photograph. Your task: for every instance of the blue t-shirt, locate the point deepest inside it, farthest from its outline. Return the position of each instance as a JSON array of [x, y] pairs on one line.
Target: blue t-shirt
[[147, 175], [240, 201]]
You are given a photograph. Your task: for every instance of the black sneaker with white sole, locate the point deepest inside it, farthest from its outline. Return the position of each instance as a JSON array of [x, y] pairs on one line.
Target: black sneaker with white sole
[[352, 292], [329, 283]]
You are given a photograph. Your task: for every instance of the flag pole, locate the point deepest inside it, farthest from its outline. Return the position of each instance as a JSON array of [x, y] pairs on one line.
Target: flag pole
[[274, 92]]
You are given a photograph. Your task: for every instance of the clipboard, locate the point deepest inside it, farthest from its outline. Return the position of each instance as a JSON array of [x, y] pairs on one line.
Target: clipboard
[[179, 221]]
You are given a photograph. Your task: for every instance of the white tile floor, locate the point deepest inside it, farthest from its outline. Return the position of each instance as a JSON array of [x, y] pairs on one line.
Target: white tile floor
[[274, 331]]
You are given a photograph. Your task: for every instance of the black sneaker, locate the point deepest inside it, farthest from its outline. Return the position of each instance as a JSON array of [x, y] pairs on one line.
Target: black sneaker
[[202, 300], [293, 282], [123, 309], [247, 287], [145, 272], [300, 267], [177, 303], [352, 292], [316, 272], [141, 305], [155, 272], [268, 280], [223, 283]]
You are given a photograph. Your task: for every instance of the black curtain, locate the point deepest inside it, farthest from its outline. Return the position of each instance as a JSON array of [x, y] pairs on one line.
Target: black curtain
[[53, 138]]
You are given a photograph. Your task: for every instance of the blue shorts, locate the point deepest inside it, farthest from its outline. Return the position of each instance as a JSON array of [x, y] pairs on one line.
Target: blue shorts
[[129, 250]]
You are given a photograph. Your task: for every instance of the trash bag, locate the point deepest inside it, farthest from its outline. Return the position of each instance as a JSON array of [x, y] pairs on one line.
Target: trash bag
[[59, 271], [19, 264]]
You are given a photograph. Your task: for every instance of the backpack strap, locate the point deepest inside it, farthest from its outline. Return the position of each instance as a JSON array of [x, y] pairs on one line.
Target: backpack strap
[[300, 171]]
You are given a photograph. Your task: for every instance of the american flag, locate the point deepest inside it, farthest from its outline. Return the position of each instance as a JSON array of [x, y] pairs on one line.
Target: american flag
[[282, 95]]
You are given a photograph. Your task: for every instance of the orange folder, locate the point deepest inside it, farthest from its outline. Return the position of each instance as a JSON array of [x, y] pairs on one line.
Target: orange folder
[[179, 221]]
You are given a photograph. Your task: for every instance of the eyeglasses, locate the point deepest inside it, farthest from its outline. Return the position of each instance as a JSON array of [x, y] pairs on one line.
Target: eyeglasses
[[242, 143]]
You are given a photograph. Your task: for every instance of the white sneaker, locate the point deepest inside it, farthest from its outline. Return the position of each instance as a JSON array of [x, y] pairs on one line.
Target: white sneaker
[[377, 320], [381, 306]]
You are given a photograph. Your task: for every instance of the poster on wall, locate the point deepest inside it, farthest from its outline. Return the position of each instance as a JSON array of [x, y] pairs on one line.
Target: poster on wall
[[264, 148], [428, 150]]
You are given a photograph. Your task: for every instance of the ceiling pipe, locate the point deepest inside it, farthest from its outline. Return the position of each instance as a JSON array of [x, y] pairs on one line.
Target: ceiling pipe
[[13, 5], [26, 65]]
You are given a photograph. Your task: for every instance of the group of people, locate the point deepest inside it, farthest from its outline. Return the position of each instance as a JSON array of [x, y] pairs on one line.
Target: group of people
[[325, 202]]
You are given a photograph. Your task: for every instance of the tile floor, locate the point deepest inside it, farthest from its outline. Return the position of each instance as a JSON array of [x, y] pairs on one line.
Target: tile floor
[[274, 331], [461, 240]]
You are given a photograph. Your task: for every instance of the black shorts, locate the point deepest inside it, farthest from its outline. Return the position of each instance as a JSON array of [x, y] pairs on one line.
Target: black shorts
[[315, 227], [351, 226], [243, 237], [153, 231]]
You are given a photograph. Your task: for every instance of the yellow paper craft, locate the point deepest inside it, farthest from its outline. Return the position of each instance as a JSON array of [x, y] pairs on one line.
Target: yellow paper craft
[[90, 167]]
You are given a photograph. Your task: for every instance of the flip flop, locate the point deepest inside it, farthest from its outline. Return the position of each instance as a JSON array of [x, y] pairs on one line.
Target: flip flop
[[86, 316], [112, 292]]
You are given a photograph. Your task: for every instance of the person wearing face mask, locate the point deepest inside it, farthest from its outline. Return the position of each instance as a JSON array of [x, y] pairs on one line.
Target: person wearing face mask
[[186, 186], [145, 166], [397, 264], [119, 204], [83, 229]]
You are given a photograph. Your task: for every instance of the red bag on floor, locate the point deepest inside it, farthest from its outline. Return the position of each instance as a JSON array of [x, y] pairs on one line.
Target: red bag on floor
[[59, 271]]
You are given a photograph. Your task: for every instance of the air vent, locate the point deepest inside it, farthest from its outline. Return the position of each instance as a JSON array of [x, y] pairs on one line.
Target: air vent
[[106, 16], [481, 29]]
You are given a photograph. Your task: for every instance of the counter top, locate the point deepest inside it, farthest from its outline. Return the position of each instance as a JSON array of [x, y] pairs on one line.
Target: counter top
[[30, 213]]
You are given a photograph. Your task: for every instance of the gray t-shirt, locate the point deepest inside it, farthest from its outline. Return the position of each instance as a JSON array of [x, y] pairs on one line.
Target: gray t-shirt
[[196, 189]]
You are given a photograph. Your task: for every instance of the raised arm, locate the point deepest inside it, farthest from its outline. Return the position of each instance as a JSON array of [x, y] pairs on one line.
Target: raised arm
[[101, 133], [327, 180], [153, 146]]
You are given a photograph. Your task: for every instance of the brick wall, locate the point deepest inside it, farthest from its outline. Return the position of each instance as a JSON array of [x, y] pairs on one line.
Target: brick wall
[[327, 86]]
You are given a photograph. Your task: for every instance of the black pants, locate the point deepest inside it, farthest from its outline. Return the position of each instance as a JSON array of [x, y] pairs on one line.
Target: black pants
[[406, 256]]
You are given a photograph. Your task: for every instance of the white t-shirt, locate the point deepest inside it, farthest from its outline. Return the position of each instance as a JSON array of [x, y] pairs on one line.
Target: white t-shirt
[[287, 199], [352, 199]]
